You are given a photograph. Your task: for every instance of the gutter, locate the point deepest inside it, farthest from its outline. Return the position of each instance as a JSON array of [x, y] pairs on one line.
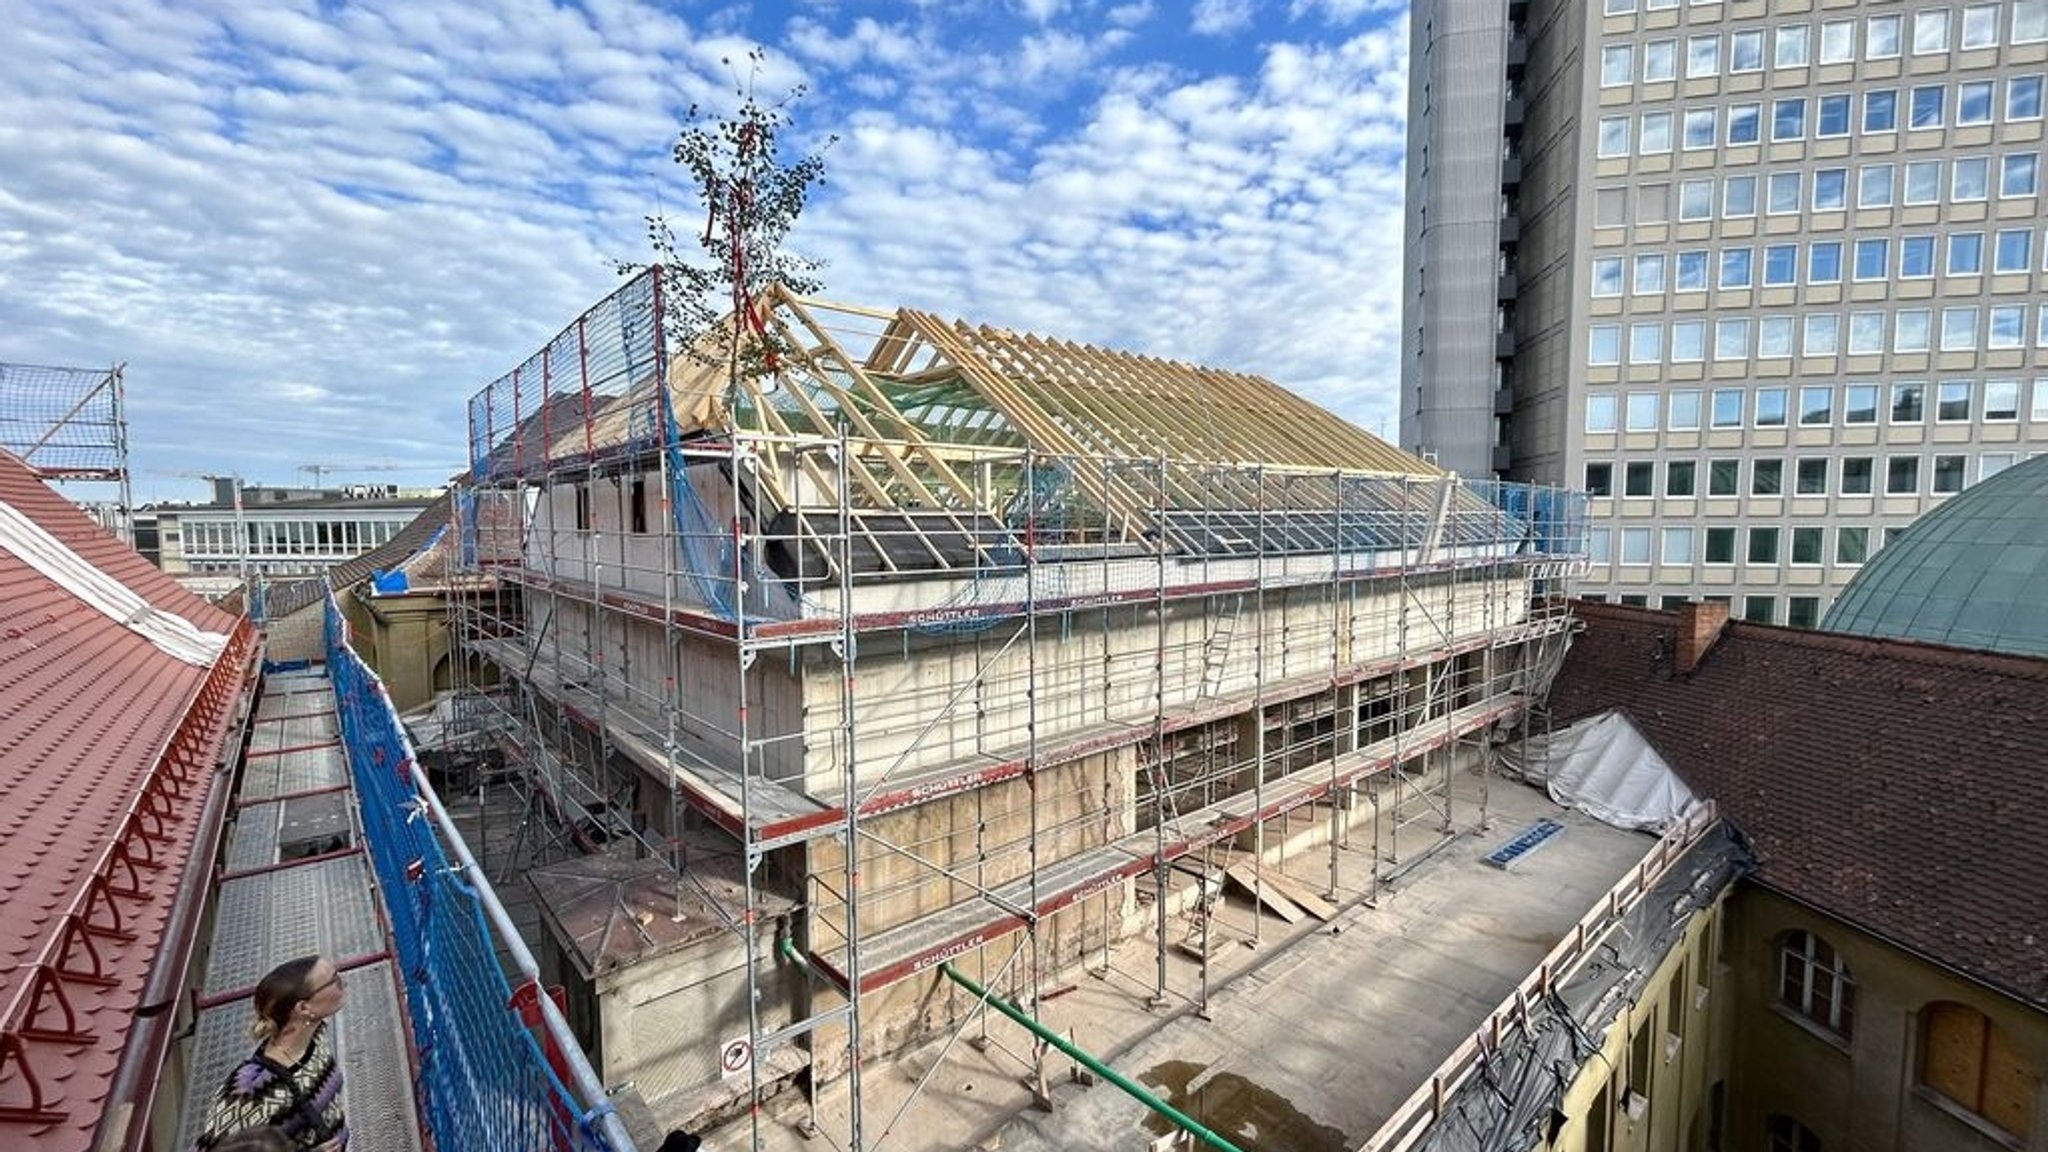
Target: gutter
[[1131, 1087], [133, 1089]]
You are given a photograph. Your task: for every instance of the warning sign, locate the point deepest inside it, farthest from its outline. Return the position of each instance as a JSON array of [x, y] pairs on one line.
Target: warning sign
[[735, 1056]]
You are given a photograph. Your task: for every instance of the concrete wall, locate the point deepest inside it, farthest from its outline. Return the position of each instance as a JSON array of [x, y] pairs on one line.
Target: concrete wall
[[665, 1020], [659, 1024], [299, 636], [1456, 53], [1555, 217], [1861, 1091], [702, 681], [921, 1005], [607, 552], [983, 836], [1119, 665]]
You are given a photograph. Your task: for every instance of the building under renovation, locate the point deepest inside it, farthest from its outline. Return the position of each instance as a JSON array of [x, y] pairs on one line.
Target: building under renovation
[[898, 646]]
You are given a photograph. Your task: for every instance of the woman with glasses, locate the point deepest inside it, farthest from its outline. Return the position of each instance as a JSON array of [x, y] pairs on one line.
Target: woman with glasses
[[292, 1081]]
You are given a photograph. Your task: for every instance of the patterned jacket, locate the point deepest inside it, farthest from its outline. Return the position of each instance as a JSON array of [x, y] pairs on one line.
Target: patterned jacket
[[303, 1099]]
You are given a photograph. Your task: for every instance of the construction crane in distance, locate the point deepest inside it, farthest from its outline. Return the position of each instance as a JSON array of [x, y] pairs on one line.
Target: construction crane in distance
[[319, 471]]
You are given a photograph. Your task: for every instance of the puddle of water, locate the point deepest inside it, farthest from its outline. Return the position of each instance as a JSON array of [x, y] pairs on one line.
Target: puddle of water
[[1254, 1118]]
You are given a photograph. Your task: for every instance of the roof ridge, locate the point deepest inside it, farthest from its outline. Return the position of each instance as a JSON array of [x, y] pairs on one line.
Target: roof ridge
[[1924, 652], [1917, 651]]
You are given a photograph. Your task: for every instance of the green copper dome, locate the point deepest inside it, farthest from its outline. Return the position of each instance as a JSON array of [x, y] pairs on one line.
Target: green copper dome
[[1972, 573]]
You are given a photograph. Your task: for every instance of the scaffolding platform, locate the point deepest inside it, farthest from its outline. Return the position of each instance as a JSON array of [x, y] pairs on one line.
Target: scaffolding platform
[[271, 908]]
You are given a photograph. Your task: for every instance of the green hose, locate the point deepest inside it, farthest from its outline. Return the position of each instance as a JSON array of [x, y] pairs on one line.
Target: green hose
[[1136, 1090]]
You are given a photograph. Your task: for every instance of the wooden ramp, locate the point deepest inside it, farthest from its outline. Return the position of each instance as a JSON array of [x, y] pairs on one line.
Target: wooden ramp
[[1301, 893], [1247, 878]]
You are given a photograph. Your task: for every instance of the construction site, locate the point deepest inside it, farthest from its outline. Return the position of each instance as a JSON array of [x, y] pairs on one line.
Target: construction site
[[907, 666]]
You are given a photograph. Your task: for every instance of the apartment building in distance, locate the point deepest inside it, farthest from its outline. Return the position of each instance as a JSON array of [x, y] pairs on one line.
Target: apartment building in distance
[[1768, 278], [275, 532]]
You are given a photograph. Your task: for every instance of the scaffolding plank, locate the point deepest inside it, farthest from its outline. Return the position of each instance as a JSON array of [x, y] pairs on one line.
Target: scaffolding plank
[[286, 771], [1311, 901], [1268, 894], [325, 907]]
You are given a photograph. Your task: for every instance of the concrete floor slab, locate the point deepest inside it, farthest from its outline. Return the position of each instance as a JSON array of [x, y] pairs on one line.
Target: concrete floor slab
[[1311, 1040]]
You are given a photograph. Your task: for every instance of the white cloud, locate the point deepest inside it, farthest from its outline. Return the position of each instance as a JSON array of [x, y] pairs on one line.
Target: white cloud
[[1221, 17], [1345, 11], [313, 234], [1129, 15]]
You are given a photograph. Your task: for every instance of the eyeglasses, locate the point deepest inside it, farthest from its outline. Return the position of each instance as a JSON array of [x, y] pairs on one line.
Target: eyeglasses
[[323, 986]]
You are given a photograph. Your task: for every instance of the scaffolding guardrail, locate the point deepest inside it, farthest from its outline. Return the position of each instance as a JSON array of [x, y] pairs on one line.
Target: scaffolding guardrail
[[496, 1062]]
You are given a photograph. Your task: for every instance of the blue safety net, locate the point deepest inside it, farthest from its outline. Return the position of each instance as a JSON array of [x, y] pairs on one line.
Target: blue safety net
[[488, 1078]]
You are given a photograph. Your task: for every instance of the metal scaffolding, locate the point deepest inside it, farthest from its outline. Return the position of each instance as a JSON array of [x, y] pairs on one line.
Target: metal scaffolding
[[71, 426], [944, 644]]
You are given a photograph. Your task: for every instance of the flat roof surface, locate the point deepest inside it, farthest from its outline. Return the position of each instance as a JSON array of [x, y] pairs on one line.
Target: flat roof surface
[[1314, 1038], [1315, 1048]]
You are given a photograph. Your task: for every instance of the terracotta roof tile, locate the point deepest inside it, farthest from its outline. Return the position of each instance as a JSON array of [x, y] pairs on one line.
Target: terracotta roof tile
[[1894, 784], [88, 709]]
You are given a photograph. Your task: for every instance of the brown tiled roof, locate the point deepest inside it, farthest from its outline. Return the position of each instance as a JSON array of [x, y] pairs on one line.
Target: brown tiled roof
[[283, 599], [1900, 786], [398, 549], [107, 750]]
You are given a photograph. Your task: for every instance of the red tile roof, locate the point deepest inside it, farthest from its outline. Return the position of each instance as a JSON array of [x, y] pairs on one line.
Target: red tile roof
[[107, 753], [1900, 786]]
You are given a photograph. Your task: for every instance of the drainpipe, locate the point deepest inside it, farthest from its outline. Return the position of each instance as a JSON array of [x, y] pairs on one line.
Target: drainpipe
[[788, 949], [1131, 1087]]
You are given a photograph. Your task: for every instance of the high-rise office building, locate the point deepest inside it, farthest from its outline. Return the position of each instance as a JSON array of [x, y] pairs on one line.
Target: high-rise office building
[[1767, 277]]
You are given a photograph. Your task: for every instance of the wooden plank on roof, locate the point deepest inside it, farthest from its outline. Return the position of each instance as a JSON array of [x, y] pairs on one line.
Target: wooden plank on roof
[[892, 350], [1152, 378], [1111, 386], [1266, 894], [1120, 506], [1245, 405], [1095, 406], [857, 472]]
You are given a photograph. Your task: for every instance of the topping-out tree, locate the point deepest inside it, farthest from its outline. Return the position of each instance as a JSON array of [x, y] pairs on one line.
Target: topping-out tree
[[751, 195]]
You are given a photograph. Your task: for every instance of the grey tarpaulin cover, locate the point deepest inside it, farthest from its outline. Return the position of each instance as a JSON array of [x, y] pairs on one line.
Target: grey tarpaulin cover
[[1603, 767], [1506, 1104]]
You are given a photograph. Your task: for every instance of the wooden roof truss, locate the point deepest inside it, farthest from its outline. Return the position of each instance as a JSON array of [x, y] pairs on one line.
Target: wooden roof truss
[[940, 418]]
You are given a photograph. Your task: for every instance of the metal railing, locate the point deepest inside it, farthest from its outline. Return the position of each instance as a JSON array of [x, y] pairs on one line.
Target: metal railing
[[498, 1067]]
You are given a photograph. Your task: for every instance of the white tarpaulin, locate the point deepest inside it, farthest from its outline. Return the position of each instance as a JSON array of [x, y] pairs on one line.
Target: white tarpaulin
[[170, 632], [1603, 767]]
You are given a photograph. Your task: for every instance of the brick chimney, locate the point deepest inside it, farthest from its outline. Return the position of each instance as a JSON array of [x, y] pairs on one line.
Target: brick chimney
[[1699, 625]]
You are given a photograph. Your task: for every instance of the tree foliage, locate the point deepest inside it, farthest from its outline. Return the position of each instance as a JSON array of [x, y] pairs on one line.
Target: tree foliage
[[751, 196]]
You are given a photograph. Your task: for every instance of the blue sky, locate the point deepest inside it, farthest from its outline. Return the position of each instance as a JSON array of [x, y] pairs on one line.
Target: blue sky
[[312, 228]]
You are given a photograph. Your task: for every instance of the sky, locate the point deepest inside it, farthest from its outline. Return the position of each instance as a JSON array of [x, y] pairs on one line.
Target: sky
[[311, 229]]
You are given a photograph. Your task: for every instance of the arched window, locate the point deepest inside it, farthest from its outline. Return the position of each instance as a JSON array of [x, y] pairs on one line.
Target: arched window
[[1789, 1135], [1967, 1060], [1814, 982]]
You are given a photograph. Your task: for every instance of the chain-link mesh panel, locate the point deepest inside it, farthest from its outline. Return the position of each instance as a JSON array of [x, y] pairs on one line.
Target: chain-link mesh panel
[[64, 422]]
